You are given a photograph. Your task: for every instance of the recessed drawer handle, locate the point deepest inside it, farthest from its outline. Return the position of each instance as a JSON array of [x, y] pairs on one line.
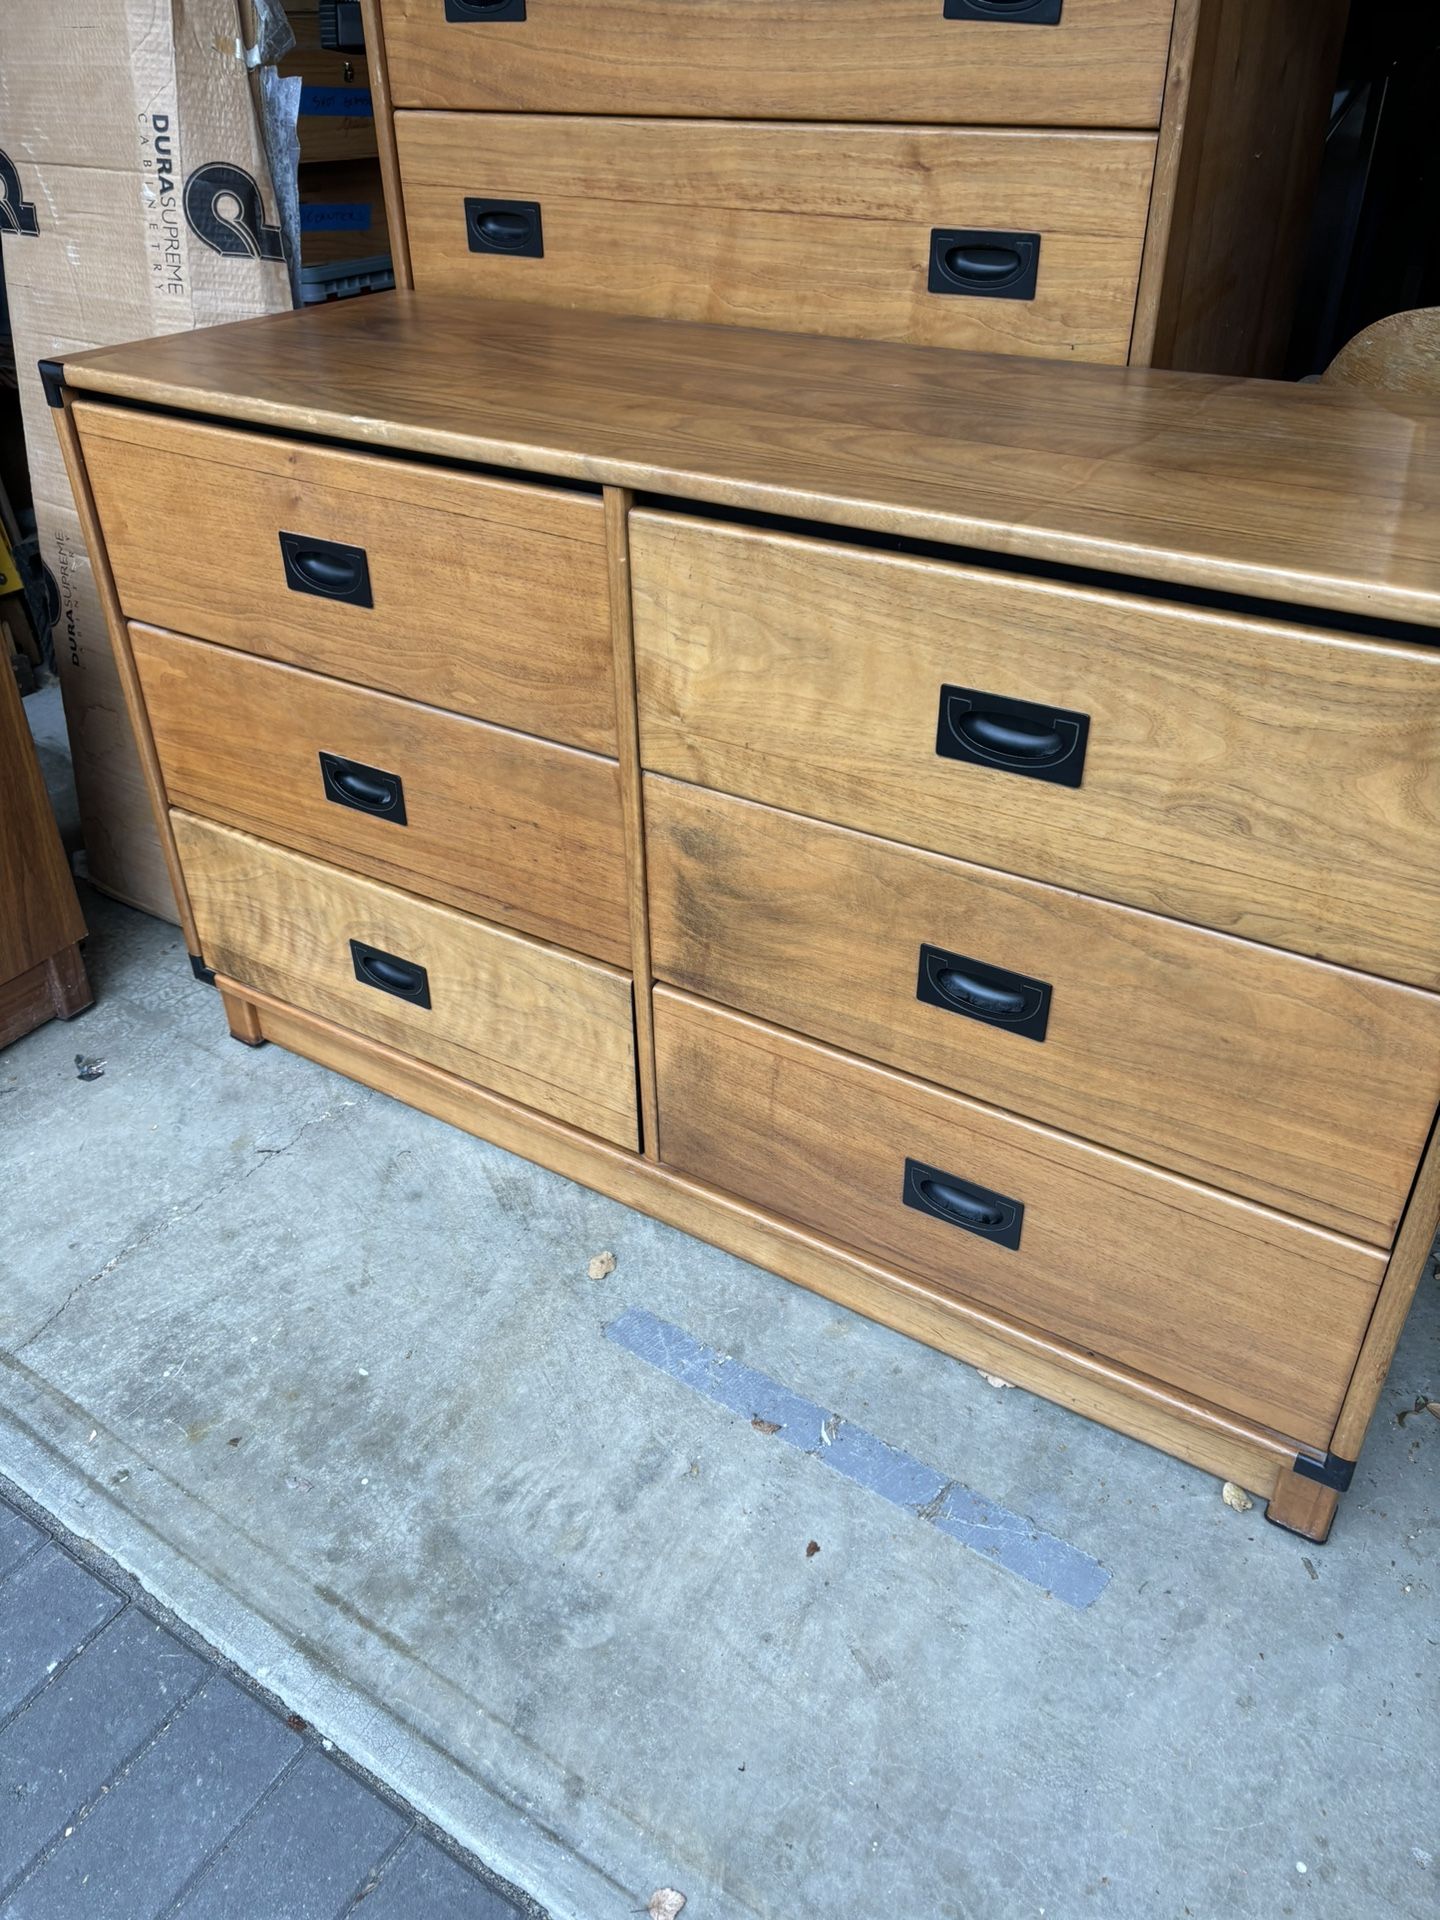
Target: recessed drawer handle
[[504, 229], [1032, 13], [956, 984], [961, 1207], [996, 1003], [326, 568], [984, 264], [461, 10], [350, 783], [388, 973], [505, 226], [960, 1203], [1014, 736], [323, 570], [1015, 739]]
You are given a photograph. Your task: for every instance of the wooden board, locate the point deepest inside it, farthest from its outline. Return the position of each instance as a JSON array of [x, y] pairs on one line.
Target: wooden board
[[1217, 1297], [1246, 117], [1210, 1437], [488, 597], [504, 826], [1298, 494], [1298, 1085], [822, 229], [55, 989], [1273, 783], [533, 1023], [1102, 65], [39, 914]]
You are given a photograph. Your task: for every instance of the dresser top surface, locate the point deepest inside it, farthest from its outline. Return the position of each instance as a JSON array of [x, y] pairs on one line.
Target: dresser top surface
[[1311, 495]]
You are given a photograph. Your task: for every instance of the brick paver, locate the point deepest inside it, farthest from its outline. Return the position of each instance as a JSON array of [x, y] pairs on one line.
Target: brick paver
[[140, 1781]]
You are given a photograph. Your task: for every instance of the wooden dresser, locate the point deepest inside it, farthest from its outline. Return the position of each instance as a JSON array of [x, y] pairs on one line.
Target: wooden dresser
[[1103, 180], [959, 832], [42, 976]]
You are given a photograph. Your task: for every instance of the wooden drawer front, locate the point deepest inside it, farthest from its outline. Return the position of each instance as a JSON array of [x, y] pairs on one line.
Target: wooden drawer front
[[525, 1020], [808, 229], [512, 828], [1293, 1083], [1217, 1297], [1101, 65], [488, 597], [1270, 782]]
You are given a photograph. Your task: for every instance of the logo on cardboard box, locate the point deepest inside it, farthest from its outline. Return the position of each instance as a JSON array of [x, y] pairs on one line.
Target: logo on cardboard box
[[224, 207], [17, 214]]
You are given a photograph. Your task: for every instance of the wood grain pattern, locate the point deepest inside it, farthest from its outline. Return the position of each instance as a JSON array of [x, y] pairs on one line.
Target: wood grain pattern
[[1218, 1441], [1221, 1299], [1169, 153], [1297, 1085], [1398, 354], [1102, 66], [1249, 128], [242, 1018], [821, 229], [617, 512], [75, 472], [1302, 1506], [53, 989], [1300, 494], [383, 100], [1408, 1262], [489, 598], [533, 1023], [1268, 782], [39, 914], [504, 826]]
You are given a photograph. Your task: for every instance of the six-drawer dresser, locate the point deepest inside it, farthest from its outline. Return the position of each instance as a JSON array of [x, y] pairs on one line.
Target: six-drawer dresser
[[1103, 180], [961, 832]]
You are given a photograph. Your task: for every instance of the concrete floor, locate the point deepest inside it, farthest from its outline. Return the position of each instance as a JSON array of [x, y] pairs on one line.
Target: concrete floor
[[332, 1379]]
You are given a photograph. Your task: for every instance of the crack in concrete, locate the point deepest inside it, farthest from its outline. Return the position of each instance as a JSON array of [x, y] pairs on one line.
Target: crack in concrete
[[183, 1210]]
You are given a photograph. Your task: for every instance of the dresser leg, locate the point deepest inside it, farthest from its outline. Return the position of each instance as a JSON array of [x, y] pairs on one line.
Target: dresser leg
[[244, 1020], [69, 988], [1302, 1506]]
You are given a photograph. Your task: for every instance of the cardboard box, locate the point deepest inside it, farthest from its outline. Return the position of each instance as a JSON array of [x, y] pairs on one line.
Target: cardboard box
[[135, 199]]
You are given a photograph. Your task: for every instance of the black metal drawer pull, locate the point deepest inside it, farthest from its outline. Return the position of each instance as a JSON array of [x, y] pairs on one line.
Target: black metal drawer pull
[[960, 1203], [1013, 736], [984, 265], [326, 568], [504, 226], [462, 10], [982, 992], [406, 979], [350, 783], [1028, 13]]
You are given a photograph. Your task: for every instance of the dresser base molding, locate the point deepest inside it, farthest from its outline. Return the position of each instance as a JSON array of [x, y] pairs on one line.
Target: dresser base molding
[[56, 989], [1206, 1437], [1302, 1506]]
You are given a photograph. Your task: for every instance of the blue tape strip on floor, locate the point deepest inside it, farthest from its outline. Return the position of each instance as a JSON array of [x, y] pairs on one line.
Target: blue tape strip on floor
[[1007, 1539]]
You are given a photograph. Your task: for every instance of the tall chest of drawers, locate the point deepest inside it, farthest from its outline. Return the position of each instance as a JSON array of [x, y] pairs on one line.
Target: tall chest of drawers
[[1103, 180], [959, 832]]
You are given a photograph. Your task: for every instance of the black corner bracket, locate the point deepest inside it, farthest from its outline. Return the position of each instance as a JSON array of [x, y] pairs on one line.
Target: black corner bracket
[[52, 378], [1332, 1471], [201, 971]]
